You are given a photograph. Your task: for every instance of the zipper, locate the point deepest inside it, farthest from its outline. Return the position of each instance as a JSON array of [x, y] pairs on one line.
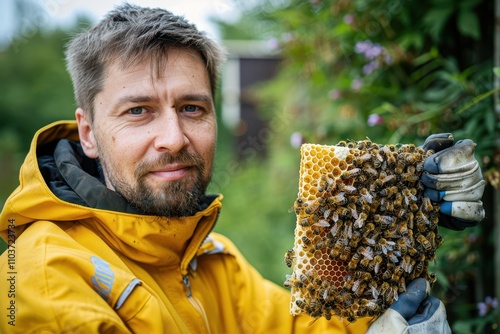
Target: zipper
[[195, 302]]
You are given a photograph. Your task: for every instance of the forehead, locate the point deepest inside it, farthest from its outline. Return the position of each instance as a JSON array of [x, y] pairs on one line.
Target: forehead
[[160, 63]]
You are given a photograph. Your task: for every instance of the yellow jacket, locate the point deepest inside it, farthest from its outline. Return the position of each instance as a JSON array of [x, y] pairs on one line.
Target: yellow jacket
[[82, 261]]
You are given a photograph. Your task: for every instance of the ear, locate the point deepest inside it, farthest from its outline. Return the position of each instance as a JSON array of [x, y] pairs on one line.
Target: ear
[[86, 133]]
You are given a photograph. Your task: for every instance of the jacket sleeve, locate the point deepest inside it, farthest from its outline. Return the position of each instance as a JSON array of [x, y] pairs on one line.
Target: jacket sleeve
[[264, 307], [50, 290]]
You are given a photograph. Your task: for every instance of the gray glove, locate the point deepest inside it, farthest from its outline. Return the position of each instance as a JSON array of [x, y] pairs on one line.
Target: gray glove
[[454, 180], [413, 313]]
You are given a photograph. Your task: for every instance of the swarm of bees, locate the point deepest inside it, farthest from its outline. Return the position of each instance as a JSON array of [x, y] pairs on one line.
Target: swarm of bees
[[364, 229]]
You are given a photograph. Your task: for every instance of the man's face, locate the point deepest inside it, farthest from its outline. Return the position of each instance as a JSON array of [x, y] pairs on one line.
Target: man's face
[[155, 135]]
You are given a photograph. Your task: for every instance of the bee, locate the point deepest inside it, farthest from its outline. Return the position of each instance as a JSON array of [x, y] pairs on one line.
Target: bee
[[342, 187], [369, 241], [391, 294], [373, 308], [321, 244], [297, 205], [426, 205], [370, 171], [337, 248], [385, 245], [306, 240], [289, 255], [434, 219], [432, 278], [409, 197], [398, 200], [350, 173], [335, 216], [407, 264], [412, 158], [343, 212], [385, 151], [367, 252], [400, 166], [304, 222], [368, 229], [358, 288], [338, 199], [402, 246], [391, 256], [419, 268], [391, 232], [355, 239], [347, 231], [301, 304], [323, 183], [360, 222], [365, 195], [389, 192], [407, 177], [313, 205], [391, 160], [384, 221], [322, 223], [345, 253], [410, 218], [344, 298], [353, 263], [424, 242], [402, 284], [348, 282], [342, 143], [362, 159], [335, 229], [287, 284], [363, 276], [375, 264], [396, 275]]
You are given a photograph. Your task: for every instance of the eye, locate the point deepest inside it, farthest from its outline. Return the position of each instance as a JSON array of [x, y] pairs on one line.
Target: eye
[[191, 108], [136, 110]]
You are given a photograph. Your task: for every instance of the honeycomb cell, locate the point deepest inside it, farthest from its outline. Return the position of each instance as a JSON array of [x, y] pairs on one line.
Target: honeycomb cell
[[342, 165]]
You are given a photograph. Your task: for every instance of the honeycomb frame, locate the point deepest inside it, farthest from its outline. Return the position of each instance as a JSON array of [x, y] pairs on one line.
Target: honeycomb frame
[[364, 228]]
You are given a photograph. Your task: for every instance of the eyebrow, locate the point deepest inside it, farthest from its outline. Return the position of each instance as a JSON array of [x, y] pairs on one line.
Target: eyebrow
[[147, 98]]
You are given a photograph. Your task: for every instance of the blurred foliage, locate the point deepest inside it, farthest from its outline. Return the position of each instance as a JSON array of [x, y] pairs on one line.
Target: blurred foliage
[[393, 71]]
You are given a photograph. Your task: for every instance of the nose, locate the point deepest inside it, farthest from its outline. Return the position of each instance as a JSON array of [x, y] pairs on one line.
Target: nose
[[170, 135]]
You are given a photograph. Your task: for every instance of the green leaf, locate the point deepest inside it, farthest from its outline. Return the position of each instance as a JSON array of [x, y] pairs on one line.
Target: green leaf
[[436, 19], [496, 71], [468, 24]]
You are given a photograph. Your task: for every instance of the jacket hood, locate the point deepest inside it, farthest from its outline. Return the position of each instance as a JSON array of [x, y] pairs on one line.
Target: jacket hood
[[59, 183]]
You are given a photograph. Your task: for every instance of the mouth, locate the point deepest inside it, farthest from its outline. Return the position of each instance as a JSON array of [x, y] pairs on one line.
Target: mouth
[[171, 172]]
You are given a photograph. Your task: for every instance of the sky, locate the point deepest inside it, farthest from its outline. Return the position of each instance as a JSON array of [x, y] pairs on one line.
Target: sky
[[64, 12]]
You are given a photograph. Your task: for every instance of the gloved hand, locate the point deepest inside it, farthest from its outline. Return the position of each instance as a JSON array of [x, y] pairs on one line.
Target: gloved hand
[[454, 180], [413, 313]]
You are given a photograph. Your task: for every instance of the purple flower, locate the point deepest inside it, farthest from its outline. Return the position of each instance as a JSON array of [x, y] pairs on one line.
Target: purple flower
[[296, 139], [335, 94], [349, 19], [369, 49], [486, 306], [482, 309], [375, 119], [356, 84], [371, 66]]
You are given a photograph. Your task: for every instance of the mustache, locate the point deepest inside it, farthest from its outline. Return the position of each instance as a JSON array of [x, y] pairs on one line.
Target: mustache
[[183, 157]]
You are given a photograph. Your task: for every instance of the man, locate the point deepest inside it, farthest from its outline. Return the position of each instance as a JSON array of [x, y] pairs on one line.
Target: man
[[111, 223]]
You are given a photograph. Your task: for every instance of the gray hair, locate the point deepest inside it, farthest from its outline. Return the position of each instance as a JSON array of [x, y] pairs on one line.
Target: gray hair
[[132, 34]]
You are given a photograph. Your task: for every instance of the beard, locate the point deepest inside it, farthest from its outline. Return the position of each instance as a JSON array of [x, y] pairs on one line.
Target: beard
[[176, 198]]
